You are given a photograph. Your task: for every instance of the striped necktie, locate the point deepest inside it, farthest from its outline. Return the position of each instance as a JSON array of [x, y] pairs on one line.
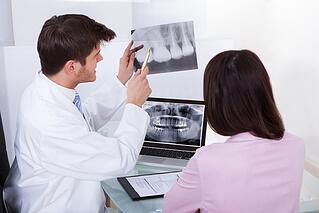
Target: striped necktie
[[77, 102]]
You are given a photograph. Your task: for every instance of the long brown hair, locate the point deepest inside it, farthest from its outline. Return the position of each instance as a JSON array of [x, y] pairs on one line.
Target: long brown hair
[[239, 97]]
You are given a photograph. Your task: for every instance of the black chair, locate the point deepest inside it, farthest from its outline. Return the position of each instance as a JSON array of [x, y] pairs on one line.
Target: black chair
[[4, 165], [2, 209]]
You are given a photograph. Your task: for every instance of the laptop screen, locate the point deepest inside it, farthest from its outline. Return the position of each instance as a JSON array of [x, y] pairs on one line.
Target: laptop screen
[[175, 123]]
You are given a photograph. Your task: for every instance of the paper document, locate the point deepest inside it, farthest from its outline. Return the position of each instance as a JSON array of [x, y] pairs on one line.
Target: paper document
[[153, 184], [149, 185]]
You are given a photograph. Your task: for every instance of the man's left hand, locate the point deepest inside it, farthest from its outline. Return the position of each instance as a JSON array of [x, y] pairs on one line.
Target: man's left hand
[[126, 63]]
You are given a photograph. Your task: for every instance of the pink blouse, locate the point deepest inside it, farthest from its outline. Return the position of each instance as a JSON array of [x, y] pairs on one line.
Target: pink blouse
[[245, 174]]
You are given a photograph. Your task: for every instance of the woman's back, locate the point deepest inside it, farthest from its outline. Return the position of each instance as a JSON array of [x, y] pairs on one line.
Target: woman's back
[[244, 174]]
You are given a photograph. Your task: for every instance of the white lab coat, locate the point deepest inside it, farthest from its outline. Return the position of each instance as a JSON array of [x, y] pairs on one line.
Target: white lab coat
[[60, 158]]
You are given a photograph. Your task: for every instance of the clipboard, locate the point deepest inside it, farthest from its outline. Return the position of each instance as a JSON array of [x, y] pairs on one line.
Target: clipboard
[[148, 185]]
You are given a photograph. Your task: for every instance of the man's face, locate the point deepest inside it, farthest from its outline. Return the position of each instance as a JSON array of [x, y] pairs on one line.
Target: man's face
[[87, 73]]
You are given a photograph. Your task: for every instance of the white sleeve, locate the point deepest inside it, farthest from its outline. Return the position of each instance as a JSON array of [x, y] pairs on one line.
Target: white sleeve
[[101, 105], [69, 149]]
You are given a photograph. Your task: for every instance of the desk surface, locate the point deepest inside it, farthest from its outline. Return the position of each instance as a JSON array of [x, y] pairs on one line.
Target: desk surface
[[125, 204], [123, 201]]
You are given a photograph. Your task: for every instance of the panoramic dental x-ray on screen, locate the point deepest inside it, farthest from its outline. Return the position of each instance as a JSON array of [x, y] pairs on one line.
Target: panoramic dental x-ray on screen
[[176, 123]]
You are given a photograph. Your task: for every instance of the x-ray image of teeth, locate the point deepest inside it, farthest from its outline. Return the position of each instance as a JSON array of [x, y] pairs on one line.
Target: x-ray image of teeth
[[172, 46], [174, 123]]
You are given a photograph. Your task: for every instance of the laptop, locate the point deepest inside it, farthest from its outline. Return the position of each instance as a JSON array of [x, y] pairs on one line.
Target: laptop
[[177, 128]]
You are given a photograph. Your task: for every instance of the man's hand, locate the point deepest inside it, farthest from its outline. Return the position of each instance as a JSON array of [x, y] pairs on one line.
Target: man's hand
[[126, 63], [138, 88]]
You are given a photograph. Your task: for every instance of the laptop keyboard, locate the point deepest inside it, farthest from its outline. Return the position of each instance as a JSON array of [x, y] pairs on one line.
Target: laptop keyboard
[[167, 153]]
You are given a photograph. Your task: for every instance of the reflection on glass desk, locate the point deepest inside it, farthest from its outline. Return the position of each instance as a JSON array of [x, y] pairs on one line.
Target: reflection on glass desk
[[309, 199]]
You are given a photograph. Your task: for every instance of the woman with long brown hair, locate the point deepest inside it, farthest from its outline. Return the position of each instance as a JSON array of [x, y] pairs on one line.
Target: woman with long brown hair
[[259, 168]]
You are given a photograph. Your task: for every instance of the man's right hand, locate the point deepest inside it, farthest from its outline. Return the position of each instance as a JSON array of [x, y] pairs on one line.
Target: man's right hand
[[138, 88]]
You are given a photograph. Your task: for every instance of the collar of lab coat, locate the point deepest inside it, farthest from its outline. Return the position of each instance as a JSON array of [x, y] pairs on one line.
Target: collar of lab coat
[[69, 93], [57, 96]]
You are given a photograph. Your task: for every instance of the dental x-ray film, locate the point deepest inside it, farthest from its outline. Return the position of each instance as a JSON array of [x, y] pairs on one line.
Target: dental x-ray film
[[173, 121], [172, 47]]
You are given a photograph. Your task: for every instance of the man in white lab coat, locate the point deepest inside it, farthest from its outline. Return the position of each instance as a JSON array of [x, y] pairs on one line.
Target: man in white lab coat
[[60, 158]]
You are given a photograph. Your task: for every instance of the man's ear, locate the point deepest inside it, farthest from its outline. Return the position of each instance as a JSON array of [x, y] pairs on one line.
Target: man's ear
[[71, 67]]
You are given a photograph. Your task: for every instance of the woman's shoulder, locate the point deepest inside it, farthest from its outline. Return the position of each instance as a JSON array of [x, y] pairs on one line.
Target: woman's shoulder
[[211, 150], [240, 144], [291, 137]]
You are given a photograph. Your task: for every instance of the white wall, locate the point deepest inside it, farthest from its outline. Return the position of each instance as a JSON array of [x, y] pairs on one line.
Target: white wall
[[6, 33], [29, 16], [4, 109], [158, 12], [20, 65], [283, 33], [294, 57], [6, 39]]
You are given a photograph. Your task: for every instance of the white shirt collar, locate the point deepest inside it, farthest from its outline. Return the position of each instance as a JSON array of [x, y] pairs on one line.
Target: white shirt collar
[[69, 93]]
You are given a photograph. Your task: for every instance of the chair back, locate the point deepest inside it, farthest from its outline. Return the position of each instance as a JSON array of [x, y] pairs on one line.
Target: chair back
[[4, 165]]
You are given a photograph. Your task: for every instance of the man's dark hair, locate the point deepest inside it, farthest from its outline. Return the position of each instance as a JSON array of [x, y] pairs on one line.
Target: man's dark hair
[[69, 37], [238, 96]]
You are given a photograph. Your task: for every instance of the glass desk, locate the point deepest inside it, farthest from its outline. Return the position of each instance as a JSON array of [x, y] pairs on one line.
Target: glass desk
[[123, 201], [309, 201]]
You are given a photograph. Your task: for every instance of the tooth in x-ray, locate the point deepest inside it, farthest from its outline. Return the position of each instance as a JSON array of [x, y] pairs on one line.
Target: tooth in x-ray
[[140, 55], [139, 37], [175, 50], [187, 47], [190, 31], [160, 52]]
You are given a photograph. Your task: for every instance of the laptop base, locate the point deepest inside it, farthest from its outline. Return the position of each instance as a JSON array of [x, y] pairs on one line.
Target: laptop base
[[161, 161]]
